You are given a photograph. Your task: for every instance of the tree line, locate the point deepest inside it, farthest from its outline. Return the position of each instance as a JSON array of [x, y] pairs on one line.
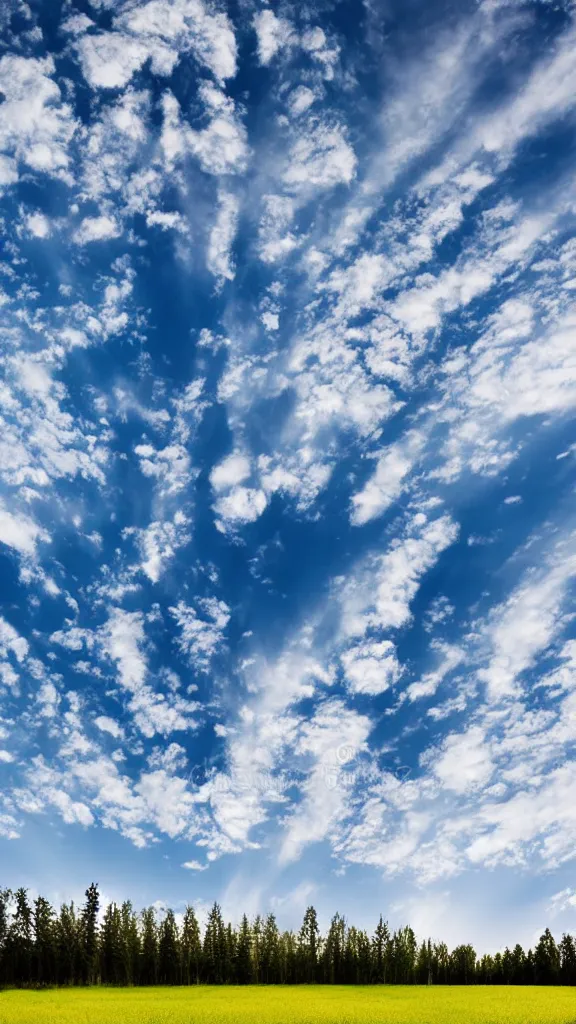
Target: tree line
[[79, 946]]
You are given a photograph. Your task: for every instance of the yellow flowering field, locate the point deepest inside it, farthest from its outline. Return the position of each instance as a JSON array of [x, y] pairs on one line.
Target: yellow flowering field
[[313, 1004]]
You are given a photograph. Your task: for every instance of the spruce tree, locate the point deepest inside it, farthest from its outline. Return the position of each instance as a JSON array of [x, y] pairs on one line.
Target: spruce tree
[[19, 941], [333, 952], [244, 966], [309, 939], [191, 948], [67, 945], [269, 958], [5, 896], [44, 950], [130, 942], [111, 959], [379, 950], [567, 949], [149, 948], [547, 960], [89, 935], [169, 951]]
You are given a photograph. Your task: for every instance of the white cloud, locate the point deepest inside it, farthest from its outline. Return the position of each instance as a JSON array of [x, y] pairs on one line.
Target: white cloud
[[333, 736], [202, 636], [221, 147], [109, 725], [321, 157], [159, 31], [222, 234], [234, 469], [38, 225], [463, 762], [10, 640], [379, 596], [123, 637], [97, 229], [240, 505], [300, 100], [525, 625], [20, 532], [35, 125], [387, 483], [158, 544], [371, 667], [273, 34]]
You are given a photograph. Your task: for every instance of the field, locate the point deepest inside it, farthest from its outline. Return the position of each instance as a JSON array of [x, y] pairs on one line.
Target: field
[[292, 1005]]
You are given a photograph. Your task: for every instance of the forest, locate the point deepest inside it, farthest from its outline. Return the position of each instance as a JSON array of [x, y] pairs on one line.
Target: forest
[[120, 946]]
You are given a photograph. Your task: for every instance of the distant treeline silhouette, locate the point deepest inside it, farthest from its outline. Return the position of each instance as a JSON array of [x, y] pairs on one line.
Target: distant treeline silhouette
[[40, 947]]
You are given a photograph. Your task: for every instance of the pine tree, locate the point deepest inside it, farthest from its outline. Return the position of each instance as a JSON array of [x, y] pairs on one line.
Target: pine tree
[[89, 935], [44, 950], [269, 955], [214, 951], [547, 960], [111, 959], [169, 951], [333, 952], [68, 945], [191, 948], [309, 940], [5, 896], [130, 942], [256, 947], [567, 949], [19, 940], [379, 950], [364, 957], [518, 965], [244, 966], [149, 954]]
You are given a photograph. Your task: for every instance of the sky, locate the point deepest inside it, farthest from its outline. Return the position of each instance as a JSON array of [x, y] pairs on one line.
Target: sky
[[287, 531]]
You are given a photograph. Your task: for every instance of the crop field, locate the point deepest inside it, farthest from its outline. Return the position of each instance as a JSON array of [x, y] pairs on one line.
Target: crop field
[[292, 1005]]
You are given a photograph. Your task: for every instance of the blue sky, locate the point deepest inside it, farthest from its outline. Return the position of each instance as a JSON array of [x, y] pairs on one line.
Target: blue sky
[[287, 457]]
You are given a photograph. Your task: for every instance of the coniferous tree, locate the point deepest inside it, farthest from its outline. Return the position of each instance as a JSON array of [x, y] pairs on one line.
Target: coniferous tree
[[364, 947], [518, 965], [244, 963], [309, 941], [67, 945], [149, 948], [334, 950], [130, 941], [191, 947], [256, 947], [19, 941], [112, 965], [214, 951], [169, 951], [547, 960], [290, 960], [44, 949], [5, 896], [529, 969], [379, 951], [567, 948], [422, 964], [269, 954], [89, 935]]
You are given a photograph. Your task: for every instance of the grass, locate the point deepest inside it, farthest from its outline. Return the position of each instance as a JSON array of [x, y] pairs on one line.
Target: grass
[[292, 1005]]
